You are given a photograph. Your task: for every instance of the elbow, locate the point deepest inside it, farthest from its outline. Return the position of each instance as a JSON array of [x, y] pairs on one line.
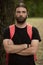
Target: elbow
[[10, 51], [34, 51], [7, 51]]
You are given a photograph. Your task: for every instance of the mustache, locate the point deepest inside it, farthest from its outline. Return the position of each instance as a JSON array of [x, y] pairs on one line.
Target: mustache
[[20, 17]]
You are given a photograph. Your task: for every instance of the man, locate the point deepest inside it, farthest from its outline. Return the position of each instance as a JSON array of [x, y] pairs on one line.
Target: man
[[21, 49]]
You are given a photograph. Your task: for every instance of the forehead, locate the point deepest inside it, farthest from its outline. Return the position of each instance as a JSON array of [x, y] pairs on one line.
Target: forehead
[[21, 9]]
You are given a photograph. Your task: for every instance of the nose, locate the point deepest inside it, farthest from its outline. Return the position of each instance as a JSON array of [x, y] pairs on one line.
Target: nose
[[21, 13]]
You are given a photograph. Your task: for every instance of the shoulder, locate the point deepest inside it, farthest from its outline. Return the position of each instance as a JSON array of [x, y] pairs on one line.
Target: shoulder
[[35, 34], [7, 28], [6, 33], [34, 29]]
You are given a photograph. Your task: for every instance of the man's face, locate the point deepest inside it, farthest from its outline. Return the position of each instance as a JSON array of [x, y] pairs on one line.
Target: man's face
[[21, 15]]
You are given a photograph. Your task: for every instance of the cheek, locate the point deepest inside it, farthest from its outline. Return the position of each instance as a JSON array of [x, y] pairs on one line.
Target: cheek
[[25, 15], [17, 15]]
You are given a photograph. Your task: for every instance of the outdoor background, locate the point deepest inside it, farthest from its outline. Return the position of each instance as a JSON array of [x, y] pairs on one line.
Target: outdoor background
[[35, 17], [38, 23]]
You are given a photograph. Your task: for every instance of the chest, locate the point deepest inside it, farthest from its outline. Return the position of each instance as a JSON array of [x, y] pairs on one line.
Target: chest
[[21, 36]]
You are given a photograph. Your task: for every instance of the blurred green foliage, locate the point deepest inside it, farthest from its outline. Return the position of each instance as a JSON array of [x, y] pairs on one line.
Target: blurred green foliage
[[35, 7]]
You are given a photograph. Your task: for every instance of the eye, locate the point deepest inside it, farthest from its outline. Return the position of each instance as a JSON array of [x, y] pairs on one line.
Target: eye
[[18, 11], [24, 11]]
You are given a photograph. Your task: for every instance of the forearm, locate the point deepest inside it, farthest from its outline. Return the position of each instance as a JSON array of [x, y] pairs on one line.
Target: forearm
[[32, 48], [16, 48], [10, 47], [28, 51]]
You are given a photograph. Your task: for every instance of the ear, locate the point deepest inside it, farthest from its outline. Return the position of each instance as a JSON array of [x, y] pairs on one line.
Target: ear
[[28, 14]]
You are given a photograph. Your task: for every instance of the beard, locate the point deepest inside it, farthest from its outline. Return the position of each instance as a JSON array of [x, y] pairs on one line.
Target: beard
[[21, 20]]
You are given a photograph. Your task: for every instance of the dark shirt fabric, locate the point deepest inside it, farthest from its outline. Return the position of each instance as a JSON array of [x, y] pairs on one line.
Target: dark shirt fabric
[[21, 37]]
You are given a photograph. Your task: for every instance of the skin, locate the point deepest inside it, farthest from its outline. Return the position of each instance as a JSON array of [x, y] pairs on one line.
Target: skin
[[21, 49], [20, 11]]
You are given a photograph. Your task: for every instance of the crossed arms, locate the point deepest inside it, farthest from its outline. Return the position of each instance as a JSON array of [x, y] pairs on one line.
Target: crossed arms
[[20, 49]]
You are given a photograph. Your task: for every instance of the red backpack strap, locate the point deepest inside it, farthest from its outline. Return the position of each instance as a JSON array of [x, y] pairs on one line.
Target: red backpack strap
[[29, 31], [7, 56], [12, 30]]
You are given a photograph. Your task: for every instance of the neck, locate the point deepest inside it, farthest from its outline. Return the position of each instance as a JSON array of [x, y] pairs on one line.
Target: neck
[[21, 25]]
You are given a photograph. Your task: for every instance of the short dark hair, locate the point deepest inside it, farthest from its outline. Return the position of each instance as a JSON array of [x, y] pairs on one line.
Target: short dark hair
[[21, 5]]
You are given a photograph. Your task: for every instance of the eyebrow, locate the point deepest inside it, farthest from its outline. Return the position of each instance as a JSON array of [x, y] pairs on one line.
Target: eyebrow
[[20, 11]]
